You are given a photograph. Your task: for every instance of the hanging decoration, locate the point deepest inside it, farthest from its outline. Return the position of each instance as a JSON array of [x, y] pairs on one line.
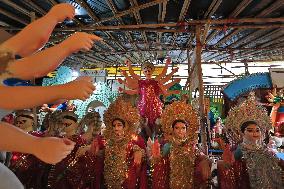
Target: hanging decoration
[[103, 93]]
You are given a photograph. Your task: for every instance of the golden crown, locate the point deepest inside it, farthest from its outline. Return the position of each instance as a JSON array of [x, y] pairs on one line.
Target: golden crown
[[122, 110], [91, 117], [180, 111], [24, 112], [249, 110], [68, 113]]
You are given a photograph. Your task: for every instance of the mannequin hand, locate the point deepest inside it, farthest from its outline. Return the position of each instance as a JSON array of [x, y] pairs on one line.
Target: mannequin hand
[[168, 61], [120, 89], [119, 80], [205, 169], [51, 149], [81, 88], [156, 152], [228, 156], [123, 73], [127, 63], [62, 11], [175, 70], [79, 41], [277, 106], [95, 147], [137, 157]]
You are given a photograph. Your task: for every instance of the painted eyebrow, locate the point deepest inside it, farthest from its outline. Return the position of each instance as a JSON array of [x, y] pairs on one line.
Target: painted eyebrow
[[253, 129]]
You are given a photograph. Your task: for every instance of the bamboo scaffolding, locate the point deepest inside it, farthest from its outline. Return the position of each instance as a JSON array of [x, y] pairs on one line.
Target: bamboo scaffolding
[[131, 10], [201, 90]]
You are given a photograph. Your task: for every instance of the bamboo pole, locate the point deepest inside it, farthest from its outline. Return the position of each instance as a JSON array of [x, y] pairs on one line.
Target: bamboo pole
[[201, 89], [132, 10], [150, 28], [188, 81], [155, 27], [217, 22]]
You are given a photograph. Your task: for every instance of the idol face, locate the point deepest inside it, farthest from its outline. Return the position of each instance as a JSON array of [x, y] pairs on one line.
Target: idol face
[[148, 72], [118, 127], [69, 125], [180, 130], [24, 123], [252, 133]]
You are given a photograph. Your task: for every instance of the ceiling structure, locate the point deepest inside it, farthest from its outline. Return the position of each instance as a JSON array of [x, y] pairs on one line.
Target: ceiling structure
[[239, 33]]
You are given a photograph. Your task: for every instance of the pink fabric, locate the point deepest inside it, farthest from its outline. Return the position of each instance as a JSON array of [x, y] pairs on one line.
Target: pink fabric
[[150, 105]]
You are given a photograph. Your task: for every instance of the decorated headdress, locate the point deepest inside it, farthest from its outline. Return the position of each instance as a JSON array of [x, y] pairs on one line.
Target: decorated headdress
[[121, 109], [25, 113], [69, 115], [180, 111], [51, 123], [25, 119], [246, 111], [89, 118]]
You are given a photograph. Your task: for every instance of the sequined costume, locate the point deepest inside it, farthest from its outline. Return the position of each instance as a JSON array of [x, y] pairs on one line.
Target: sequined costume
[[58, 175], [87, 172], [150, 105], [120, 171], [27, 167], [255, 167], [179, 166]]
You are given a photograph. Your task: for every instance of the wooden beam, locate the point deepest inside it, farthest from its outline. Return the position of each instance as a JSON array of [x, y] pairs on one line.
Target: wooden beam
[[273, 7], [16, 7], [189, 64], [241, 6], [95, 18], [265, 37], [249, 37], [209, 49], [183, 11], [53, 2], [267, 11], [34, 6], [271, 42], [112, 6], [212, 8], [139, 21], [83, 4], [163, 16], [227, 37], [201, 89], [245, 3], [164, 11], [115, 11], [151, 28], [131, 10], [14, 17]]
